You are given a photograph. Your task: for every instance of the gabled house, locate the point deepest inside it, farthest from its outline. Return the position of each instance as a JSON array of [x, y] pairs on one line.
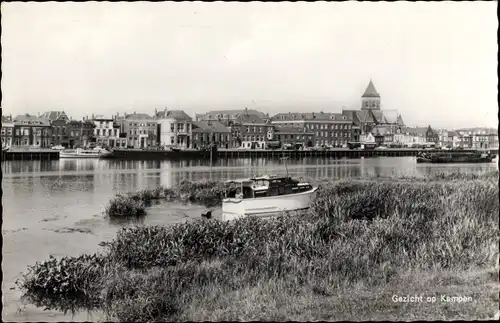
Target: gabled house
[[174, 128], [58, 121]]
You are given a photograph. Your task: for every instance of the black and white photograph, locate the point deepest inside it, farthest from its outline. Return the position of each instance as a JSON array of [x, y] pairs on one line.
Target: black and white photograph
[[249, 161]]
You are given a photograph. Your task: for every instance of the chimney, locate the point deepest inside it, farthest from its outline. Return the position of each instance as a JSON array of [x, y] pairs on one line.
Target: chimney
[[246, 111], [156, 112], [93, 116]]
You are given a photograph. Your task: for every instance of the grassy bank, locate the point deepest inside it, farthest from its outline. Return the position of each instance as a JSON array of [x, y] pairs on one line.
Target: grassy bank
[[210, 193], [360, 243]]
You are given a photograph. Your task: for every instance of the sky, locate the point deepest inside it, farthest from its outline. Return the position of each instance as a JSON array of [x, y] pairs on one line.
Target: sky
[[434, 62]]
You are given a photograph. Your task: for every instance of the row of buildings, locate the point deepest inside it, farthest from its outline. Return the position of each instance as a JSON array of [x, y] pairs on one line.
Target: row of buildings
[[234, 128]]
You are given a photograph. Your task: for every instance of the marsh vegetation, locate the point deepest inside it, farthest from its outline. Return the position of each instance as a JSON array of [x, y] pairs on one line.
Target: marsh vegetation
[[359, 244]]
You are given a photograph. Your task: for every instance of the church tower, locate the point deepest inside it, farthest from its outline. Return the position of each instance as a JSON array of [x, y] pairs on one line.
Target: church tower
[[370, 100]]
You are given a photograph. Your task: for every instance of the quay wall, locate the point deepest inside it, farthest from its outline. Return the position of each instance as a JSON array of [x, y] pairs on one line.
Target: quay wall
[[135, 154], [270, 154], [27, 155]]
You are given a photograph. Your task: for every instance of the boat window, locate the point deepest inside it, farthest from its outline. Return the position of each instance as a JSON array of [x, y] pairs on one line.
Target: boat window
[[247, 192]]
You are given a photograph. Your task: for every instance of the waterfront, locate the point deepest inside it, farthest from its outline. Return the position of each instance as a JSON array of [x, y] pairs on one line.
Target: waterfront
[[54, 208]]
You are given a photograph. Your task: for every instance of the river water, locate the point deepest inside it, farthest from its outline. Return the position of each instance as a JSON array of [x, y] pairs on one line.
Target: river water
[[55, 207]]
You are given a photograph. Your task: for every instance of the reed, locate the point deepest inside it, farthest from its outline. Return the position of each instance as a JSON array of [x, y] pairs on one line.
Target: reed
[[122, 206], [357, 233]]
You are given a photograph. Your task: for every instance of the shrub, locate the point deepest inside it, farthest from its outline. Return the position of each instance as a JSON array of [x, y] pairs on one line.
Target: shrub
[[66, 277], [125, 206]]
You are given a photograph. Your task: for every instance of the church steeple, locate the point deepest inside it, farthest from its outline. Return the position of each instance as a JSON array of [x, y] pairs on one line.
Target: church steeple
[[370, 100], [370, 91]]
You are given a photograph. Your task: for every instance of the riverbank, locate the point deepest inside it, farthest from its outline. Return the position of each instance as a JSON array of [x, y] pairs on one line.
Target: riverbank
[[408, 237]]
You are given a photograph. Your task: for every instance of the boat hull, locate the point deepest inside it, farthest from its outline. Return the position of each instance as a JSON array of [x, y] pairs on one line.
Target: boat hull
[[86, 156], [235, 208], [454, 161]]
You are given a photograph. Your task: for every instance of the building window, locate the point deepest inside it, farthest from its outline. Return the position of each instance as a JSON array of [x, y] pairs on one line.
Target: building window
[[172, 126], [172, 140]]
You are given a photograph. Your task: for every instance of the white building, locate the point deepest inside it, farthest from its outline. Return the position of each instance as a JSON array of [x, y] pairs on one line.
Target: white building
[[454, 139], [7, 131], [106, 131], [403, 138], [175, 128], [367, 138]]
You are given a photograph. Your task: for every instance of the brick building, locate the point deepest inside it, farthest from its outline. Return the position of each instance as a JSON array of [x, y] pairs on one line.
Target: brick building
[[80, 133], [31, 131], [332, 129], [58, 120], [295, 136], [211, 132], [140, 129], [250, 131]]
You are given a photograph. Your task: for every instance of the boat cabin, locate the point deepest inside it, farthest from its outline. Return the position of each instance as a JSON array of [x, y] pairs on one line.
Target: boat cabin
[[265, 186]]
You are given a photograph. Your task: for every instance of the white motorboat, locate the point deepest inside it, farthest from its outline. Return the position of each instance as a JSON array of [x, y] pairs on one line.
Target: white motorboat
[[84, 153], [266, 196]]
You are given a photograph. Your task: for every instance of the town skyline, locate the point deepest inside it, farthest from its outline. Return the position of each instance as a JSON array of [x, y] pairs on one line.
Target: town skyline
[[107, 58]]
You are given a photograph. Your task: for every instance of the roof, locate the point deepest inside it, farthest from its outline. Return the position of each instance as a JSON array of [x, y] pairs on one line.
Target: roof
[[250, 118], [6, 119], [378, 115], [138, 116], [416, 130], [235, 113], [240, 180], [54, 115], [175, 114], [318, 116], [453, 134], [79, 122], [18, 120], [215, 126], [101, 117], [365, 116], [370, 91], [350, 114], [256, 178]]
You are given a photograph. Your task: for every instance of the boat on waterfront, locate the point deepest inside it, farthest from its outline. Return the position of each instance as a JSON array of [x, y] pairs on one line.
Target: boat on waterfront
[[266, 196], [456, 157], [84, 153]]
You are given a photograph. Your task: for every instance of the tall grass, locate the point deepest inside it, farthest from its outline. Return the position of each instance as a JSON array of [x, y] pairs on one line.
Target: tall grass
[[355, 232]]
